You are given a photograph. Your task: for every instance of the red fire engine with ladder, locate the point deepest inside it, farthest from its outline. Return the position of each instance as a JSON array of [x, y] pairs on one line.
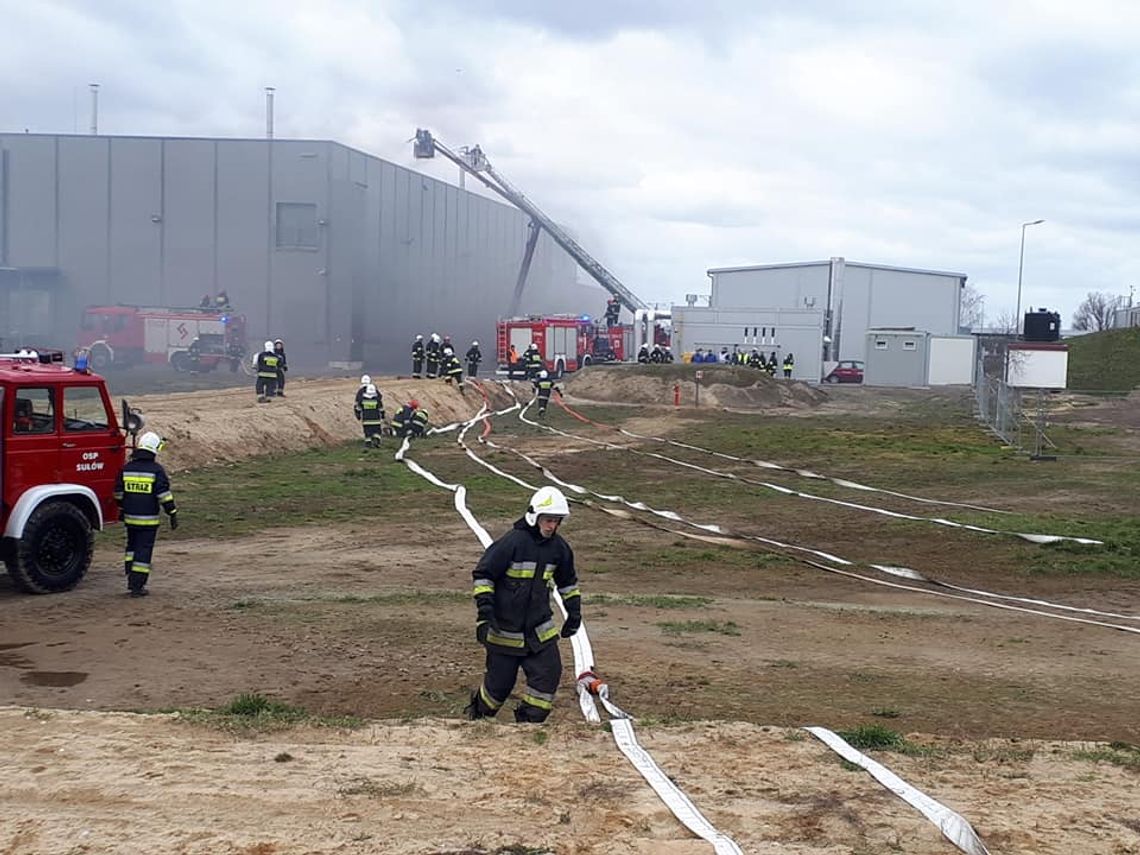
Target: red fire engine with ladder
[[187, 339], [566, 342]]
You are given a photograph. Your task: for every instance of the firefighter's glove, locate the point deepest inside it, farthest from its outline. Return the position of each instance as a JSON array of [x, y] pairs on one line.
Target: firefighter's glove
[[573, 623], [483, 628], [359, 413], [173, 521]]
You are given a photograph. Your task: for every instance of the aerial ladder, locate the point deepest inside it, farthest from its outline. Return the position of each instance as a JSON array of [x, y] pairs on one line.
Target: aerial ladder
[[473, 162]]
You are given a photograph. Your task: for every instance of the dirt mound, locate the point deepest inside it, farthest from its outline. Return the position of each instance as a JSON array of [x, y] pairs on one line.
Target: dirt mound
[[726, 386], [226, 425]]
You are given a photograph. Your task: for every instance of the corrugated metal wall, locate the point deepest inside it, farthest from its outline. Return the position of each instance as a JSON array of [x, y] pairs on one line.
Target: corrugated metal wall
[[391, 252]]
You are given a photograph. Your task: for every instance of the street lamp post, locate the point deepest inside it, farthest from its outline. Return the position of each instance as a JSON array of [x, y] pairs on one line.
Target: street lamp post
[[1020, 267]]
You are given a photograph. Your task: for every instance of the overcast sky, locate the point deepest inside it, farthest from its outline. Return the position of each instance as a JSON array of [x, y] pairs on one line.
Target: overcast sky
[[670, 137]]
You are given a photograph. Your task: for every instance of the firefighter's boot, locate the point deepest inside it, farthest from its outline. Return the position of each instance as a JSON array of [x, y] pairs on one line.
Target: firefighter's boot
[[472, 711]]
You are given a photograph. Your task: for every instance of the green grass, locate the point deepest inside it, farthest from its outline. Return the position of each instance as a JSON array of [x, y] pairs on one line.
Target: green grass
[[1105, 361], [331, 485], [1117, 753], [688, 626], [875, 737], [253, 713]]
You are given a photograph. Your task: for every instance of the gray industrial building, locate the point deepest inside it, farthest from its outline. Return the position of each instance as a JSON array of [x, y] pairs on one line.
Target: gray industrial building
[[343, 255], [820, 310]]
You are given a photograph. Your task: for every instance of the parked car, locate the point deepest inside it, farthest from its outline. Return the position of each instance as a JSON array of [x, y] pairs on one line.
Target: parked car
[[846, 371]]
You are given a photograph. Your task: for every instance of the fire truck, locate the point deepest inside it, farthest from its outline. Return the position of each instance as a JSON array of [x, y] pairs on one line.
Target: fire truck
[[570, 342], [60, 449], [186, 339]]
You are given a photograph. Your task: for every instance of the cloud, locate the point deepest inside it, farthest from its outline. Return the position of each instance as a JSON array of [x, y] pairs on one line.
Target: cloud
[[669, 136]]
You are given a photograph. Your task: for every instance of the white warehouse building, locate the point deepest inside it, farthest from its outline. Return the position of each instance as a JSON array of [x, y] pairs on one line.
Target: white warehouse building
[[820, 311]]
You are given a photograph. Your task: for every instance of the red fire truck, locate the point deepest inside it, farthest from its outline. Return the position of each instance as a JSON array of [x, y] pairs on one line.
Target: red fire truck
[[60, 450], [187, 339], [569, 342]]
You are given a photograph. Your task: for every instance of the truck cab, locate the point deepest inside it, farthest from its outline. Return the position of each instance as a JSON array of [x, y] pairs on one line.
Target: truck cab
[[61, 448]]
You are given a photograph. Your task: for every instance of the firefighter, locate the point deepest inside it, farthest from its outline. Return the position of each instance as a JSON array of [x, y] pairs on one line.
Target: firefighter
[[141, 489], [419, 422], [222, 301], [279, 349], [369, 410], [667, 354], [402, 423], [206, 302], [512, 583], [533, 361], [613, 311], [432, 353], [754, 359], [789, 364], [643, 355], [474, 356], [543, 386], [418, 357], [655, 355], [266, 365], [772, 364], [452, 370]]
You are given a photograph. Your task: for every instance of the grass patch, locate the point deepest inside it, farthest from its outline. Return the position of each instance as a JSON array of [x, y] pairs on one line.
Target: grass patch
[[1108, 360], [256, 713], [1117, 753], [389, 598], [656, 601], [364, 786], [876, 737], [686, 626]]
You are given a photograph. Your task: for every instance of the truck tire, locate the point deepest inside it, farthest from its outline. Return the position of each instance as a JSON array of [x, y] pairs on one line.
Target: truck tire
[[100, 357], [180, 360], [586, 360], [55, 551]]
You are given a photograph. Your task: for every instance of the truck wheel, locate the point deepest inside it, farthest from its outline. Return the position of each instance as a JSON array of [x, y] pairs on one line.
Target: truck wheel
[[586, 360], [55, 551], [100, 358], [180, 360]]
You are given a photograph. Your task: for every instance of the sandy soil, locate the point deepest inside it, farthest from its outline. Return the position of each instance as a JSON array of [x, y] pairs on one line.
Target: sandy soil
[[269, 614]]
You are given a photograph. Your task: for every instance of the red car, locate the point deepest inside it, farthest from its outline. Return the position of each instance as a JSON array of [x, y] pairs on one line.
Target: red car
[[847, 371]]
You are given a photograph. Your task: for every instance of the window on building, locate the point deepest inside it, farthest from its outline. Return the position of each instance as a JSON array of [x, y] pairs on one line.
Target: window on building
[[83, 409], [33, 411], [881, 344], [297, 225], [909, 344]]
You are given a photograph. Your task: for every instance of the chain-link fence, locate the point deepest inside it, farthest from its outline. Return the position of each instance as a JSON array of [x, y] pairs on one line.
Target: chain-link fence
[[1018, 423]]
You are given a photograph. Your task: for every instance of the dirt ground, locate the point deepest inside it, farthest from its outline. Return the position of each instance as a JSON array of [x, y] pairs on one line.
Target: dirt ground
[[370, 619]]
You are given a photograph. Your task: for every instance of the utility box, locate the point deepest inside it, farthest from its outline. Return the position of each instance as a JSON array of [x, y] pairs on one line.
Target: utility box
[[896, 357]]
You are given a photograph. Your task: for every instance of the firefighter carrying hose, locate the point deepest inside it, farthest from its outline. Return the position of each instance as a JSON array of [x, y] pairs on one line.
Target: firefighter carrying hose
[[141, 488], [515, 624]]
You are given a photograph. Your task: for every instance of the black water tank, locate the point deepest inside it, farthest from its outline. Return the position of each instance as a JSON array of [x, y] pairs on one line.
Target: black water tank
[[1042, 325]]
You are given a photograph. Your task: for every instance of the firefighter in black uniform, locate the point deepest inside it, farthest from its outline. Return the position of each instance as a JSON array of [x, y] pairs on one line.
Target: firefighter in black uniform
[[402, 422], [755, 360], [282, 367], [643, 355], [266, 363], [141, 488], [418, 357], [543, 386], [789, 364], [533, 361], [419, 422], [515, 624], [772, 364], [613, 311], [452, 369], [433, 353], [474, 356], [369, 410]]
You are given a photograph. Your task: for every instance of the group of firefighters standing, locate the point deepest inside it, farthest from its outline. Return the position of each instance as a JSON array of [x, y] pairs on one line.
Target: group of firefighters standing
[[439, 358], [752, 359]]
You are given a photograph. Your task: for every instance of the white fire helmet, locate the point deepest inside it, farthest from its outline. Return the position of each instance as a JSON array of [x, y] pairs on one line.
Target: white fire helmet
[[365, 379], [435, 336], [269, 345], [547, 501], [542, 375], [151, 441], [369, 391], [474, 344], [419, 338]]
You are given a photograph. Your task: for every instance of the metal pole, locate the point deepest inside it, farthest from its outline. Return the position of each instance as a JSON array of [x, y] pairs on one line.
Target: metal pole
[[1020, 267], [269, 90], [94, 87]]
